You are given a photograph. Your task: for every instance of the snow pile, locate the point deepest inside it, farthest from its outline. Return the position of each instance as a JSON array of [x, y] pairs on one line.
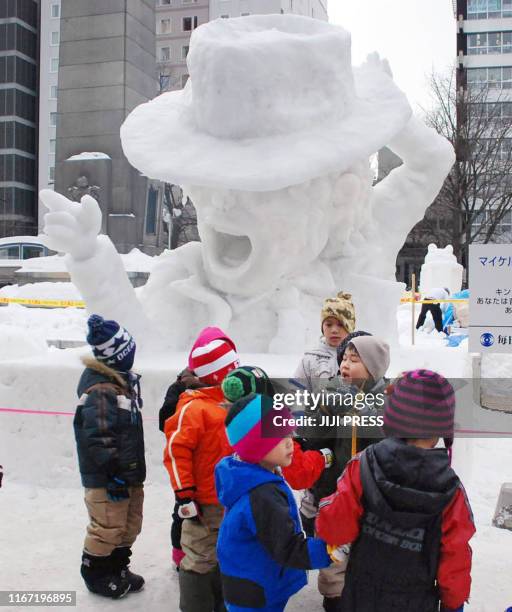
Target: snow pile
[[441, 270], [20, 343], [42, 291], [88, 155]]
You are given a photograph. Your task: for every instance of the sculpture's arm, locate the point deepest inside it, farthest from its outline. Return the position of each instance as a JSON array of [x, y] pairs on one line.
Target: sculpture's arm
[[93, 262]]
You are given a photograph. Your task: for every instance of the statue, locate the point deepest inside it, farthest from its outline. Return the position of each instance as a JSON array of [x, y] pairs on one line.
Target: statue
[[271, 139], [81, 188]]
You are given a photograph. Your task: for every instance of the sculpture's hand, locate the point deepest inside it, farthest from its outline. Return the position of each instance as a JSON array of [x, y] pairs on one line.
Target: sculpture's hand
[[374, 60], [71, 227]]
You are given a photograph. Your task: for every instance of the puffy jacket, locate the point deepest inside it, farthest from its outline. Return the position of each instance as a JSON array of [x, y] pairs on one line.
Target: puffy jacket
[[261, 548], [408, 516], [320, 362], [306, 466], [108, 426], [196, 442]]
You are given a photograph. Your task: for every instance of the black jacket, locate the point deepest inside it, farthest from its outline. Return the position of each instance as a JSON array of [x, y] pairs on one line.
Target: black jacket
[[108, 426], [393, 563]]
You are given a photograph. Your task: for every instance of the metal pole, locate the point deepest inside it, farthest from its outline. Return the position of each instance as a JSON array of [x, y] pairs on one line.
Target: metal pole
[[413, 322]]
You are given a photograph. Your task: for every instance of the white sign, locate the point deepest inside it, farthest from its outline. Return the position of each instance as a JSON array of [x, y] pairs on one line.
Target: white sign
[[490, 302]]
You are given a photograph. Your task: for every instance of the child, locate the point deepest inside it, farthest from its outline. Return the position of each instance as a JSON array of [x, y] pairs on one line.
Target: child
[[337, 320], [196, 442], [186, 380], [262, 550], [404, 508], [364, 362], [110, 446]]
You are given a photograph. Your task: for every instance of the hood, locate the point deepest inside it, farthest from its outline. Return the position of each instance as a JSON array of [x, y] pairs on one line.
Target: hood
[[207, 335], [234, 478], [324, 346], [407, 481], [214, 394], [98, 372]]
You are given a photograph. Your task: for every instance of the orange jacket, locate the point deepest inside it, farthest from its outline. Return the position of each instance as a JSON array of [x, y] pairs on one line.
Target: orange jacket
[[196, 442]]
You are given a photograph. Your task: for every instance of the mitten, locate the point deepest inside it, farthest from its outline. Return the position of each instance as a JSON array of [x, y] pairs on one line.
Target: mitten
[[188, 508], [117, 489], [328, 456]]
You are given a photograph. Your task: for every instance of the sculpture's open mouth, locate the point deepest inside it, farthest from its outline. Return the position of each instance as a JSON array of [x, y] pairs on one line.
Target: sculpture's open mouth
[[230, 250]]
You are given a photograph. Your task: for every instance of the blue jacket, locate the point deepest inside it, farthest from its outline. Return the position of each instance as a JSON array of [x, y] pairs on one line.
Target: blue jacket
[[261, 548]]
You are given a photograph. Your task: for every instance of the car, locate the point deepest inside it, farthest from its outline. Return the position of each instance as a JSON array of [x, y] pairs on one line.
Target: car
[[22, 247]]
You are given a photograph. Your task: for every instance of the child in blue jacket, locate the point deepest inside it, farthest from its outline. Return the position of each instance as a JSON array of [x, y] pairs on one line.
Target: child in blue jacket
[[262, 550]]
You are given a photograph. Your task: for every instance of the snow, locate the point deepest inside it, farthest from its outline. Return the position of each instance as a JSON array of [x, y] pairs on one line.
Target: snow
[[88, 155], [441, 270]]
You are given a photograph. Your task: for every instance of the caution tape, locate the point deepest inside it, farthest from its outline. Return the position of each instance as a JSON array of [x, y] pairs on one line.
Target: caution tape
[[408, 300], [44, 303]]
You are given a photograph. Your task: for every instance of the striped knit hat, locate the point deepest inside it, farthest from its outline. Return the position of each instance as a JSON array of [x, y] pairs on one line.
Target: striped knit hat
[[214, 359], [421, 405], [250, 427], [244, 381]]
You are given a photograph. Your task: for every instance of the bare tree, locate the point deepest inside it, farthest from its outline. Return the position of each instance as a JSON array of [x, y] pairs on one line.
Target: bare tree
[[476, 118]]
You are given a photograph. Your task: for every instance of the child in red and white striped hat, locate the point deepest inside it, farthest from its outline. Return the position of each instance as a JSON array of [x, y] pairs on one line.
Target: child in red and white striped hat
[[196, 442]]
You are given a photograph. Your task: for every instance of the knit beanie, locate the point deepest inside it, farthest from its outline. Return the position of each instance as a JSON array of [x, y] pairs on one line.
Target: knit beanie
[[244, 381], [111, 343], [207, 335], [374, 354], [341, 308], [250, 427], [213, 361], [346, 341], [421, 405]]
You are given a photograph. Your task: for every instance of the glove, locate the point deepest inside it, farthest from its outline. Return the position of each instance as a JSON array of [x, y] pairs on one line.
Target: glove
[[117, 489], [188, 508], [328, 456], [338, 554], [459, 609]]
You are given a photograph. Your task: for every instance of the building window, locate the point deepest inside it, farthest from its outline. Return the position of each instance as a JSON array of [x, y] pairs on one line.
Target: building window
[[54, 64], [184, 51], [165, 54], [55, 38], [53, 92], [165, 2], [189, 23], [52, 145], [151, 210], [495, 77], [489, 9], [224, 16], [184, 79], [165, 26], [483, 43], [55, 11], [51, 174], [53, 119]]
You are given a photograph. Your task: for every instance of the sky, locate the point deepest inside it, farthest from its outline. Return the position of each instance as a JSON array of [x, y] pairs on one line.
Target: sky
[[416, 36]]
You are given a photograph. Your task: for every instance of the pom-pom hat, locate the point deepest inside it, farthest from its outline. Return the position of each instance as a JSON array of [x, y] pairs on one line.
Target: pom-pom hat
[[111, 343], [246, 380]]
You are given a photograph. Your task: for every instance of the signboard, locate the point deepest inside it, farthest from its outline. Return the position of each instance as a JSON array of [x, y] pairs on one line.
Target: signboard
[[490, 298]]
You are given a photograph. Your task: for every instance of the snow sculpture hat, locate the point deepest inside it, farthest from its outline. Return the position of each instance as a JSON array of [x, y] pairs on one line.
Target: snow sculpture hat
[[244, 381], [213, 356], [272, 101], [111, 343], [421, 404], [250, 429], [341, 308]]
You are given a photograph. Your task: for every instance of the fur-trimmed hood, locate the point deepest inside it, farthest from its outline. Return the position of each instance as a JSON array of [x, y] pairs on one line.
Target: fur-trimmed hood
[[98, 372]]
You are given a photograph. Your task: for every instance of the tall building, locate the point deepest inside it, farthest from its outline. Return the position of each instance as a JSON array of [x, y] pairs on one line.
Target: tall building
[[239, 8], [49, 43], [484, 50], [18, 116]]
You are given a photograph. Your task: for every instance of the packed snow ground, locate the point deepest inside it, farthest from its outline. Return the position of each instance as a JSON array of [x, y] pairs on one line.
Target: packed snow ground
[[41, 501]]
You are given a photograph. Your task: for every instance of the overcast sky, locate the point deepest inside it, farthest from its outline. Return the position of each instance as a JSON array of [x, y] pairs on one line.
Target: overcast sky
[[414, 35]]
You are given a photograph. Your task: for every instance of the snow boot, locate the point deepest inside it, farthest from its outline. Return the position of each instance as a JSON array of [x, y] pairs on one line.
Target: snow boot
[[120, 560], [201, 592], [332, 604], [101, 578]]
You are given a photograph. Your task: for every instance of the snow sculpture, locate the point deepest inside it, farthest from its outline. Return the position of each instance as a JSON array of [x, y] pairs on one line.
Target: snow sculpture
[[271, 139], [441, 270]]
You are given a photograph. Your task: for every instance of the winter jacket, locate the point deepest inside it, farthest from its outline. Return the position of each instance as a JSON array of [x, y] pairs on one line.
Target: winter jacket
[[196, 442], [185, 380], [318, 363], [329, 437], [261, 548], [306, 467], [108, 426], [410, 522]]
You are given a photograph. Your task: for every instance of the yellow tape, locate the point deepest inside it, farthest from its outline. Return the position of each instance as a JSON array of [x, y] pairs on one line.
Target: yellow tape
[[47, 303], [434, 301]]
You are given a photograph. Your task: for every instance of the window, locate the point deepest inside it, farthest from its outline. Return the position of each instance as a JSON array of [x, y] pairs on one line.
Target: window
[[10, 252], [184, 79], [51, 174], [55, 11], [165, 54], [151, 210], [55, 38], [31, 250], [496, 77], [184, 51], [165, 26], [189, 23], [489, 9], [52, 145], [54, 64], [165, 2], [53, 92], [53, 119], [489, 42]]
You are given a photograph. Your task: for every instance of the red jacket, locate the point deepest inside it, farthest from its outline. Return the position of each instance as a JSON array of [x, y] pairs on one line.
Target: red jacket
[[305, 469], [339, 519]]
